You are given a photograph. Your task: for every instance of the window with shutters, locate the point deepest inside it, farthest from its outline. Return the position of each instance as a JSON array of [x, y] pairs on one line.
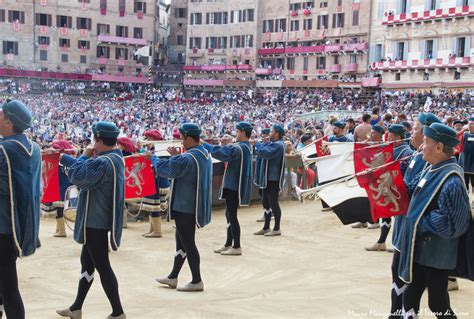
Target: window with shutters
[[180, 40], [290, 63], [43, 55], [323, 4], [64, 22], [10, 47], [103, 5], [338, 20], [431, 4], [84, 1], [295, 25], [139, 6], [379, 54], [64, 58], [180, 58], [248, 15], [457, 75], [339, 2], [398, 76], [43, 19], [336, 59], [295, 6], [380, 9], [280, 25], [83, 59], [426, 76], [180, 13], [121, 31], [14, 16], [461, 48], [103, 29], [400, 48], [248, 41], [323, 22], [353, 58], [355, 18], [195, 43], [321, 63], [308, 24], [82, 44], [43, 40], [103, 52], [83, 23], [2, 15], [138, 33], [121, 54], [429, 49], [267, 26], [122, 4], [305, 63], [402, 6], [195, 18], [64, 43]]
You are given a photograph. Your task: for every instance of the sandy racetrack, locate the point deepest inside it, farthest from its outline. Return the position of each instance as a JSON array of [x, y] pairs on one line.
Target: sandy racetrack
[[317, 269]]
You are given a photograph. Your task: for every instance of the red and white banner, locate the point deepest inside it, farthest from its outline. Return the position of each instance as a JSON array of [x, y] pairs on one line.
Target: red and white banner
[[386, 191], [139, 177], [50, 178], [460, 147]]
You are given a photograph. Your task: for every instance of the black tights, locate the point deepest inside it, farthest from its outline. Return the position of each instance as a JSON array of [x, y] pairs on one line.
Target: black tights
[[186, 246], [95, 255], [384, 230], [9, 291], [270, 199], [59, 212], [398, 288], [436, 281], [233, 227]]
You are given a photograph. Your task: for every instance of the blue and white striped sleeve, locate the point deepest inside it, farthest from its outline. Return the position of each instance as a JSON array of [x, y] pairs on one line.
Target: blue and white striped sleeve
[[174, 167], [452, 217], [225, 153], [268, 150], [87, 173]]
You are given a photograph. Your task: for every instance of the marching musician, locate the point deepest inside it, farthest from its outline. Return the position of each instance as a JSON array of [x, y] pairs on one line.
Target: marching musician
[[270, 177], [191, 173], [64, 184], [267, 210], [467, 158], [156, 204], [411, 177], [396, 135], [236, 186], [20, 187], [100, 179], [438, 215]]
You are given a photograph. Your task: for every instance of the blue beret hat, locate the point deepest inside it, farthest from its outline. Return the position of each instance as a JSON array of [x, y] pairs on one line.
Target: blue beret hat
[[190, 129], [441, 133], [428, 118], [458, 121], [339, 124], [266, 131], [18, 114], [278, 128], [471, 119], [397, 129], [378, 128], [244, 126], [105, 129]]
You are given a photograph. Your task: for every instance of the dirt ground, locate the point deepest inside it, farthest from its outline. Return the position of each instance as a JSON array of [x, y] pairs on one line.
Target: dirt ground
[[318, 268]]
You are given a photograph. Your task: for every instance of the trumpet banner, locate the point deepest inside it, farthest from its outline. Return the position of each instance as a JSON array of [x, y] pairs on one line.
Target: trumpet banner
[[50, 178], [139, 177]]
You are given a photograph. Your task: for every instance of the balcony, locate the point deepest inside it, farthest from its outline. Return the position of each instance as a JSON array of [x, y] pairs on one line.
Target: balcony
[[305, 50], [352, 67], [423, 64], [335, 68], [437, 14], [371, 82], [192, 68], [332, 48], [239, 83], [263, 71], [119, 78], [102, 61], [244, 67], [203, 82], [355, 47], [44, 75], [213, 68], [120, 40], [274, 51]]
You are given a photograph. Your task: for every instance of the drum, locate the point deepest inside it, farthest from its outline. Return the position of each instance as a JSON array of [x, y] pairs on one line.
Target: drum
[[71, 199]]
